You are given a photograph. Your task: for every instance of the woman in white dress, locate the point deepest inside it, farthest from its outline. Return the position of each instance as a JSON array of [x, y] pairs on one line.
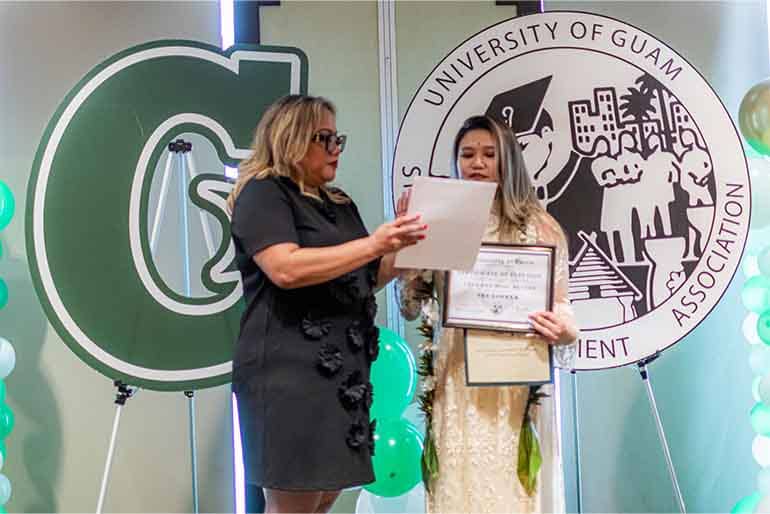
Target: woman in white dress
[[475, 431]]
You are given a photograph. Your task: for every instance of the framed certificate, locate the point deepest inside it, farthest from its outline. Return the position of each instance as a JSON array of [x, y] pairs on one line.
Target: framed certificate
[[500, 359], [507, 283]]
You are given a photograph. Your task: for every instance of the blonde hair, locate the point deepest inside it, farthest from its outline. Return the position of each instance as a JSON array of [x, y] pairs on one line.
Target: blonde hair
[[281, 140], [515, 201]]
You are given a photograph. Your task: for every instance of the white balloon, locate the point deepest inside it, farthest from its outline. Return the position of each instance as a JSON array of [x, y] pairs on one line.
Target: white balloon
[[759, 359], [7, 358], [413, 502], [760, 449], [750, 328], [750, 266], [760, 184], [757, 240], [755, 392], [764, 389], [5, 489]]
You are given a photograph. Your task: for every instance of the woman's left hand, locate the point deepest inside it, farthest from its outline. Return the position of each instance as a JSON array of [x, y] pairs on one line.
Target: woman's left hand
[[552, 328], [402, 205]]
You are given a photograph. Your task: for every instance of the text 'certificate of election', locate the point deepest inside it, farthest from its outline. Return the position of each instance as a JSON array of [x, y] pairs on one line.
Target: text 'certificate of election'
[[507, 284]]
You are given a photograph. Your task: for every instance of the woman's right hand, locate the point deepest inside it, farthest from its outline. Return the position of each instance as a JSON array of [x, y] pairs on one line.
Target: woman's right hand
[[402, 232]]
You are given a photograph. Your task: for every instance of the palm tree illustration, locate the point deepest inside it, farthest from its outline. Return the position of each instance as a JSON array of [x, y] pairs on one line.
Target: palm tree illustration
[[638, 106], [649, 85]]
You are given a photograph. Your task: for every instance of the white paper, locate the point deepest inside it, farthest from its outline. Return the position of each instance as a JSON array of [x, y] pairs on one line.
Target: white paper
[[457, 213]]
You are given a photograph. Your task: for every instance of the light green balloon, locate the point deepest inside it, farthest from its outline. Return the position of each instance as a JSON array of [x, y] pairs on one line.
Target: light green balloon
[[747, 504], [756, 294], [393, 377], [763, 327], [750, 152], [7, 205], [760, 419], [397, 458]]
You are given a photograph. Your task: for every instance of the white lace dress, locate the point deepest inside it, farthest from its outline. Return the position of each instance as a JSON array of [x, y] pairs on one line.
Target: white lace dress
[[476, 429]]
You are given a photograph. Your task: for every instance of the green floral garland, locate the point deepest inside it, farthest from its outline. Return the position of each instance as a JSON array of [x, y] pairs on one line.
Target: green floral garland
[[529, 456], [425, 399]]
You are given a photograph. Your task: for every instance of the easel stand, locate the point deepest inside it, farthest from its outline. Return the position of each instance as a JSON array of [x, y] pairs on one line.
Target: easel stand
[[124, 393], [179, 157], [645, 374]]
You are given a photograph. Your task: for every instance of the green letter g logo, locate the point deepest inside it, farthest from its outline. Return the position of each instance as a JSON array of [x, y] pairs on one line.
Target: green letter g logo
[[88, 197]]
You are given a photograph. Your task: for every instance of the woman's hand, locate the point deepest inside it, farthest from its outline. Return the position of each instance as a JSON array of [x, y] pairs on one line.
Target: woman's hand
[[552, 328], [402, 232], [402, 205]]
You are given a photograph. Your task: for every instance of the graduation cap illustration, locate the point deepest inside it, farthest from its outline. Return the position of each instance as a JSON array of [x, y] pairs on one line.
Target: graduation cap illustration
[[520, 107]]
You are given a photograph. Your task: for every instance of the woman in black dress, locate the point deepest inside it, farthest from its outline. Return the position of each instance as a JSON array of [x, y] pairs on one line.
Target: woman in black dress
[[308, 338]]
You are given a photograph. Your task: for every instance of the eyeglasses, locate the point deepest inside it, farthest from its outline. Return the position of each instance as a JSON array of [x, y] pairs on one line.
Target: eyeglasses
[[330, 140]]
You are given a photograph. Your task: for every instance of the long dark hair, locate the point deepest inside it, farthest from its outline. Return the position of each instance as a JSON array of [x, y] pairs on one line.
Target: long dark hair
[[515, 200]]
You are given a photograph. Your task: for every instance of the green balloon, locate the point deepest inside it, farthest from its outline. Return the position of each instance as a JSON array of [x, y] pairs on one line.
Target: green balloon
[[750, 153], [760, 418], [7, 420], [393, 376], [397, 458], [3, 293], [746, 505], [7, 205], [763, 327], [756, 294], [754, 117], [2, 391]]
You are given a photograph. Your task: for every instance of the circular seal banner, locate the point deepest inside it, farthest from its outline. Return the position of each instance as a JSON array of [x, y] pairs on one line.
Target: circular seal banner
[[628, 147], [88, 199]]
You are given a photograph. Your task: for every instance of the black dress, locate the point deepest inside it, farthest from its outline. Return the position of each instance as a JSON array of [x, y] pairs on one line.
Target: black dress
[[301, 365]]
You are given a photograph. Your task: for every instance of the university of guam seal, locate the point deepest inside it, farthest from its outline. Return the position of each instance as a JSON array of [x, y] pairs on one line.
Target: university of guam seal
[[628, 147]]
